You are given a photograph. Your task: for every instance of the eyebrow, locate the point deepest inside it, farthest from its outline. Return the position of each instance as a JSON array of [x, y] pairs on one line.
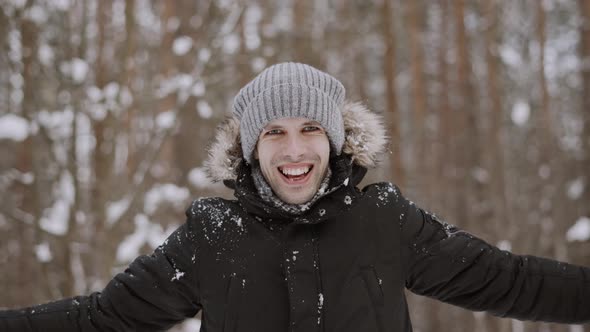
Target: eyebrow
[[312, 123], [276, 126]]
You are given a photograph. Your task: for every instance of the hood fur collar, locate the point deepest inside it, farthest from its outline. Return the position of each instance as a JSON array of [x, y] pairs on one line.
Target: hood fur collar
[[365, 142]]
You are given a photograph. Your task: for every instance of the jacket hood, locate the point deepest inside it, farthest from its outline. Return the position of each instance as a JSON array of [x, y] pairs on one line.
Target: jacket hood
[[365, 141]]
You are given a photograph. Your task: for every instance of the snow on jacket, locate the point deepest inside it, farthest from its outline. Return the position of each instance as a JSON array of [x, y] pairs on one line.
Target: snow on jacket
[[341, 266]]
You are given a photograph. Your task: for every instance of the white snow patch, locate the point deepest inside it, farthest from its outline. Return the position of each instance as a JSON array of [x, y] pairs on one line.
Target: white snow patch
[[37, 14], [14, 127], [116, 209], [575, 188], [169, 193], [94, 93], [55, 218], [165, 120], [62, 5], [17, 80], [580, 231], [126, 97], [111, 90], [204, 109], [252, 16], [231, 44], [76, 69], [480, 174], [43, 252], [258, 64], [204, 54], [177, 275], [145, 232], [59, 123], [198, 89], [346, 182], [521, 112], [347, 200], [181, 83], [510, 56], [45, 54], [182, 45], [504, 245], [18, 3]]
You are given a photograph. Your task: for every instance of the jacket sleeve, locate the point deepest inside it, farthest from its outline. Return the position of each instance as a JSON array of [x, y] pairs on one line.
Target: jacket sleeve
[[154, 293], [456, 267]]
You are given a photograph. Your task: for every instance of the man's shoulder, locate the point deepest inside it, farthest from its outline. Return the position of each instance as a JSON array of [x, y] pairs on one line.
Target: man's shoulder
[[210, 205], [387, 188]]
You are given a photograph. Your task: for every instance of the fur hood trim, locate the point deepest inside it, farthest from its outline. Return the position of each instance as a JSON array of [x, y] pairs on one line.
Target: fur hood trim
[[365, 141]]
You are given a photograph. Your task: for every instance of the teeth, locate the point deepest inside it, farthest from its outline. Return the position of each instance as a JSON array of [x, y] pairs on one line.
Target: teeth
[[295, 171]]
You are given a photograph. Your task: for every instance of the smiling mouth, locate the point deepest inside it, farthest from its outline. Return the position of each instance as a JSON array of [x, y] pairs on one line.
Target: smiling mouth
[[296, 174]]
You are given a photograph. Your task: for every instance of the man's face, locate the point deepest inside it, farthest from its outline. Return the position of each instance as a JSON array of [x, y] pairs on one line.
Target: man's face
[[293, 155]]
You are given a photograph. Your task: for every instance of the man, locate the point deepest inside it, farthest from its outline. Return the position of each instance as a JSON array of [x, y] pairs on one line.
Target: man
[[302, 248]]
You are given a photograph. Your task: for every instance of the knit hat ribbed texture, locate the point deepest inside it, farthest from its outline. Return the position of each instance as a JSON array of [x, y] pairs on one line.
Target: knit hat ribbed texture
[[289, 90]]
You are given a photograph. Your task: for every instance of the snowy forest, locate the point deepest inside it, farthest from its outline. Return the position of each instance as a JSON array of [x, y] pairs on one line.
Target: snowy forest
[[107, 108]]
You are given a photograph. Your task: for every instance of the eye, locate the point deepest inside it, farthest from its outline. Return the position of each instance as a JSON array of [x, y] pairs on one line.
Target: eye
[[311, 128], [273, 132]]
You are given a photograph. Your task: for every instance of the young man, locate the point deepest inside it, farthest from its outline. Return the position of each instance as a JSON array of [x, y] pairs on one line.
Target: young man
[[302, 248]]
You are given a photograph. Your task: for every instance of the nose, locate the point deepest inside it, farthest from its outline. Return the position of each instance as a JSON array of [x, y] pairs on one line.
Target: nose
[[294, 147]]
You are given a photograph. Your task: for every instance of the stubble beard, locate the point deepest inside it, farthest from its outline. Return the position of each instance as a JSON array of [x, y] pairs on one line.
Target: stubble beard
[[296, 195]]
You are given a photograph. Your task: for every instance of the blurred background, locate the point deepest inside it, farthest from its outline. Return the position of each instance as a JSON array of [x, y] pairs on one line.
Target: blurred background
[[107, 108]]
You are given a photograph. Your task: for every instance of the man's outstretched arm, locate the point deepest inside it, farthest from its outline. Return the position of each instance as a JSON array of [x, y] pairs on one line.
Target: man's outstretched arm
[[456, 267], [154, 293]]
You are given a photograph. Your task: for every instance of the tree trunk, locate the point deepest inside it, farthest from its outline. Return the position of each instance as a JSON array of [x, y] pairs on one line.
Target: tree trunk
[[584, 50], [421, 160], [392, 116]]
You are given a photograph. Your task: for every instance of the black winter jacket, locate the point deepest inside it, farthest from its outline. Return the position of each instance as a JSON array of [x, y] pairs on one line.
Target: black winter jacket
[[342, 266]]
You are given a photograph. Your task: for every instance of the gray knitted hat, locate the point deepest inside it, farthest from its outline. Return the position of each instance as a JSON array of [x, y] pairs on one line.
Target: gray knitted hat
[[289, 90]]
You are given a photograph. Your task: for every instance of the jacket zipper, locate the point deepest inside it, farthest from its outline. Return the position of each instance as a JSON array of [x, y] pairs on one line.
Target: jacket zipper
[[316, 265]]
